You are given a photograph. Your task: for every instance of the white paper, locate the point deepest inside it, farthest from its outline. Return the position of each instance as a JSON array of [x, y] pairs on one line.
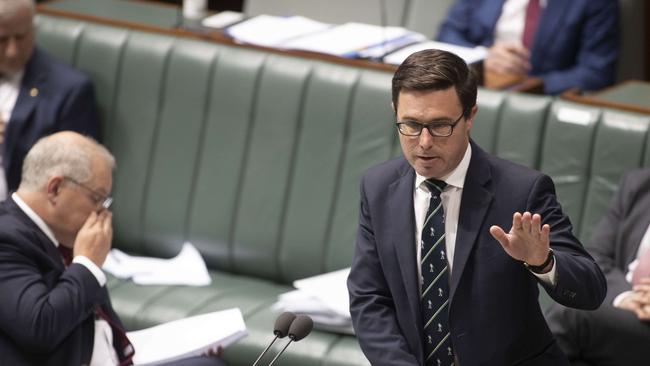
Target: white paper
[[187, 337], [352, 39], [273, 31], [222, 19], [187, 268], [470, 55], [330, 289]]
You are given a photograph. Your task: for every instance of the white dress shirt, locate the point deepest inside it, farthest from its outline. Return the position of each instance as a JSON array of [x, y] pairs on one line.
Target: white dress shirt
[[103, 352], [451, 197], [9, 90], [510, 26], [643, 247]]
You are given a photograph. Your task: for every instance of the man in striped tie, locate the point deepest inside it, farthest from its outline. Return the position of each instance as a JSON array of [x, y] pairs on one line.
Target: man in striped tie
[[435, 279]]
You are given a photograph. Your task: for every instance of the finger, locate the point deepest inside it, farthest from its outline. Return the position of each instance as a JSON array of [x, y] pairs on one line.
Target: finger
[[645, 280], [500, 235], [536, 223], [516, 221], [526, 222], [545, 234], [90, 221], [107, 226], [641, 288]]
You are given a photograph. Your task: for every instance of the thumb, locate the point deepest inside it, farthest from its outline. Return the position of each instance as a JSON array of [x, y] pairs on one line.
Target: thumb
[[500, 235]]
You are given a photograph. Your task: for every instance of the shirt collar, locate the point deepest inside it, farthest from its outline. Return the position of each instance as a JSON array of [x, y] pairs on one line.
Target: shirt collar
[[14, 78], [456, 178], [35, 218]]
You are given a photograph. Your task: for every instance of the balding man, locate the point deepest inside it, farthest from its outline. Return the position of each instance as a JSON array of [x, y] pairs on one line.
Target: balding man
[[38, 94], [55, 233]]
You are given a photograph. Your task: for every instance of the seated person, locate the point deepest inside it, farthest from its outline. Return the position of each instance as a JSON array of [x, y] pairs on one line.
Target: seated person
[[566, 43], [38, 94], [55, 233], [618, 333]]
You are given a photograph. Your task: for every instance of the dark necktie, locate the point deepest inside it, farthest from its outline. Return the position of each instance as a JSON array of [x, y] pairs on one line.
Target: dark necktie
[[533, 11], [119, 336], [435, 282]]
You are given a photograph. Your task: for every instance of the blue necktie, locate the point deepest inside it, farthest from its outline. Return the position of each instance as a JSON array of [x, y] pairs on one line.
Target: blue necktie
[[435, 282]]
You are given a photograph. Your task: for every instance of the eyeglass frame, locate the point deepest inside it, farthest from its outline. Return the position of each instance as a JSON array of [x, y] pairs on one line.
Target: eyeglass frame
[[428, 126], [104, 199]]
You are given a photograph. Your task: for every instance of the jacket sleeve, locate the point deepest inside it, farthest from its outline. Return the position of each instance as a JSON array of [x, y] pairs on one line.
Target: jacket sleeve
[[595, 64], [38, 310], [371, 303], [455, 28], [579, 281]]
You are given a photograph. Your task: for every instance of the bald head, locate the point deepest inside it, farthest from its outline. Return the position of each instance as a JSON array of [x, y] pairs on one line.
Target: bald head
[[63, 154], [10, 7]]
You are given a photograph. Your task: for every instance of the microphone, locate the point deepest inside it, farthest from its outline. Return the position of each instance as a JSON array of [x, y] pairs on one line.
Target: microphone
[[281, 329], [300, 328]]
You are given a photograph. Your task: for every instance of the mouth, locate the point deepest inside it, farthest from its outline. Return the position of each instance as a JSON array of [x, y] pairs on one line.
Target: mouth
[[426, 158]]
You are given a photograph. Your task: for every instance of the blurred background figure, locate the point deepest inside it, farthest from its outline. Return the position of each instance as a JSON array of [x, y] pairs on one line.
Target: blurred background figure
[[38, 94], [566, 43]]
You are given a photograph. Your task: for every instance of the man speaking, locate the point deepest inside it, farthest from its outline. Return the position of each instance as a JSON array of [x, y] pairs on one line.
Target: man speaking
[[452, 242]]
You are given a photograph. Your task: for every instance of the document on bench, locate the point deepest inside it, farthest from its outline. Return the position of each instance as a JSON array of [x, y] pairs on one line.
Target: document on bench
[[189, 337], [324, 298], [469, 54], [187, 268]]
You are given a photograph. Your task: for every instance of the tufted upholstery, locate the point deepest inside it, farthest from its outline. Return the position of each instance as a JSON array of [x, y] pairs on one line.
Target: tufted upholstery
[[256, 157]]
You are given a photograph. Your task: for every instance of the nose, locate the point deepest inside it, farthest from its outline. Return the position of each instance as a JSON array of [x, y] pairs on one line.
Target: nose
[[11, 49], [425, 139]]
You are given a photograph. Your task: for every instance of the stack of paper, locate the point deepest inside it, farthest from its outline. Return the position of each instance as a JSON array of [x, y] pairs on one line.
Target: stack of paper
[[356, 40], [470, 55], [324, 298], [273, 31], [187, 268], [187, 337]]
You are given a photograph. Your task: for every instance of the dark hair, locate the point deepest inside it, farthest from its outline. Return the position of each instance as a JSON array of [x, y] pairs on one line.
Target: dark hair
[[436, 70]]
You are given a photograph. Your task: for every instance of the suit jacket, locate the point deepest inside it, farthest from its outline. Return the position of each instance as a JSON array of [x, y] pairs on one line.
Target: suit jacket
[[576, 43], [617, 237], [47, 311], [53, 97], [494, 314]]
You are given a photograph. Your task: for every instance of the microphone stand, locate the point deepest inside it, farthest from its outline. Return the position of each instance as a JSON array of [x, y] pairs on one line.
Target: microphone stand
[[279, 353]]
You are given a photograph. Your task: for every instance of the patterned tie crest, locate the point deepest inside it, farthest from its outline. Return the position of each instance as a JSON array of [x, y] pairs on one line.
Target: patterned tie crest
[[435, 282]]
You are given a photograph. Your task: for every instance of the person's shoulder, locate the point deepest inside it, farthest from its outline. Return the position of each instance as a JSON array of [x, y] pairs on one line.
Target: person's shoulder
[[57, 71], [387, 171], [502, 169]]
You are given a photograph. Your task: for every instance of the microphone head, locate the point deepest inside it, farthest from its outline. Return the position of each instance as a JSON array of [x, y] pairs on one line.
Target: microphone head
[[282, 324], [300, 328]]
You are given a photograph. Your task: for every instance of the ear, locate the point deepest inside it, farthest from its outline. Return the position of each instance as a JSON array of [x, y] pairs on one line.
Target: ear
[[53, 187], [470, 119]]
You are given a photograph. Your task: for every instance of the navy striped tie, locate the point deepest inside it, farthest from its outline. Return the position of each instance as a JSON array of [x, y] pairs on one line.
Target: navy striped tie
[[435, 282]]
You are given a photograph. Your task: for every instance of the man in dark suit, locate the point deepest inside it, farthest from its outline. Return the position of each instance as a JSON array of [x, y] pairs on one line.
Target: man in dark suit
[[618, 332], [38, 94], [55, 233], [435, 280], [566, 43]]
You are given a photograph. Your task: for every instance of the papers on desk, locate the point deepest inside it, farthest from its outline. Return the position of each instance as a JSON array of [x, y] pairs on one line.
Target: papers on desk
[[300, 33], [187, 337], [356, 40], [273, 31], [324, 298], [470, 55], [187, 268]]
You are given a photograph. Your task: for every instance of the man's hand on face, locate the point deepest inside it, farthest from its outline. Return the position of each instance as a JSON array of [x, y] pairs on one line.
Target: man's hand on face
[[638, 301], [508, 58], [527, 241], [95, 236]]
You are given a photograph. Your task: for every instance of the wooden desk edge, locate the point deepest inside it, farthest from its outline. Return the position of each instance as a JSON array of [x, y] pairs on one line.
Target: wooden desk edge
[[574, 95]]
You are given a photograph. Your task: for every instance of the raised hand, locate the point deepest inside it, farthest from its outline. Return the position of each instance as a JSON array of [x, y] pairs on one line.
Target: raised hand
[[527, 241]]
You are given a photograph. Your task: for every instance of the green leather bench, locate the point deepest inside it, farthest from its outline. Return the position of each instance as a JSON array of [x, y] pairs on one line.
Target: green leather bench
[[255, 158]]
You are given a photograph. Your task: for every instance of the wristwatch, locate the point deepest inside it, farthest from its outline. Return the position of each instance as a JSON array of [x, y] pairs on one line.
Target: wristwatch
[[539, 269]]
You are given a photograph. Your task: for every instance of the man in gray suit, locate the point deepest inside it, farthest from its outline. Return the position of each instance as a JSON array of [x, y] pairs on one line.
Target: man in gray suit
[[619, 331]]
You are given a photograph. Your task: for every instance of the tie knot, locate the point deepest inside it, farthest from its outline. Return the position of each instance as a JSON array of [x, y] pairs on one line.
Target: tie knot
[[435, 186]]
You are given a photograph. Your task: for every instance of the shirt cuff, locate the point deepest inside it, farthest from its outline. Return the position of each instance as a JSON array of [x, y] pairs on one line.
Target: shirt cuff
[[92, 267], [548, 277], [619, 299]]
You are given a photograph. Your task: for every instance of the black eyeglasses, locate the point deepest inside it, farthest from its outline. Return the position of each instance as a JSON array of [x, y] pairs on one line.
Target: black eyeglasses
[[439, 128], [96, 197]]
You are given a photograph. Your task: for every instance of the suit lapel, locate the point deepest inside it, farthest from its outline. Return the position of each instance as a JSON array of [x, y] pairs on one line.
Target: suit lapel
[[28, 96], [400, 207], [549, 21], [489, 14], [476, 199]]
